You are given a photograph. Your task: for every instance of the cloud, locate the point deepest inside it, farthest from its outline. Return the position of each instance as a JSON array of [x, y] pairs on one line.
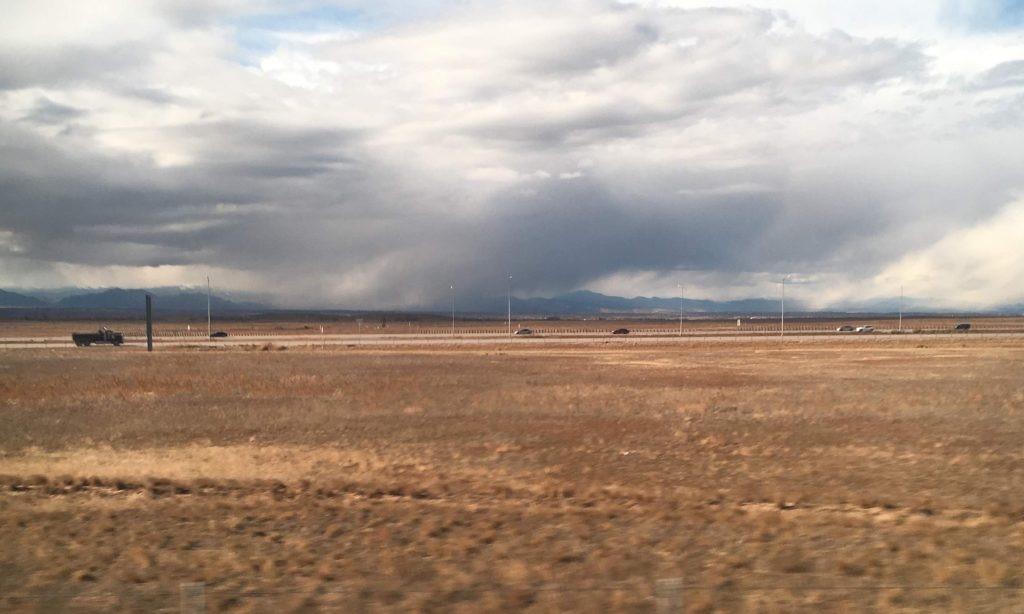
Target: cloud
[[1003, 75], [357, 155], [975, 266], [47, 111]]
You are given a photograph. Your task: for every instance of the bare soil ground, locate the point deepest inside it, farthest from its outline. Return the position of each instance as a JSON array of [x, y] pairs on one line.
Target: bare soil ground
[[807, 475]]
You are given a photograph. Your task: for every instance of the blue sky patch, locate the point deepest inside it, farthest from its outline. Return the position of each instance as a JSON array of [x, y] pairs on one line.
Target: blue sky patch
[[257, 35], [986, 15]]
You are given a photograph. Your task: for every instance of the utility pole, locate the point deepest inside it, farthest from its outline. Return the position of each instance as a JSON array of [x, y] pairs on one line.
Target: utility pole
[[208, 331], [453, 310]]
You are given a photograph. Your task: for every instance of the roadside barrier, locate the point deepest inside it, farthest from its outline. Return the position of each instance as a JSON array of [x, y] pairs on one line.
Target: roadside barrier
[[759, 329]]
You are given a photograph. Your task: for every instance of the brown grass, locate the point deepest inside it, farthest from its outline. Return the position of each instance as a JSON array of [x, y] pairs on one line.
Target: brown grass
[[798, 477]]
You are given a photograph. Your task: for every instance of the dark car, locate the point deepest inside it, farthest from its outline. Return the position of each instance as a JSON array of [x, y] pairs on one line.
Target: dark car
[[218, 334], [963, 326], [845, 329], [620, 331], [524, 331]]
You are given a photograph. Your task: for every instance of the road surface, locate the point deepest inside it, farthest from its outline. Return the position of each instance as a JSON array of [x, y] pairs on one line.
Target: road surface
[[415, 340]]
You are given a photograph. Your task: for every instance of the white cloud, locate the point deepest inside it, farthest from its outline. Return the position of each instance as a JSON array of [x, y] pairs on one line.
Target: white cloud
[[493, 173], [730, 143], [9, 242], [70, 274], [727, 189], [980, 265]]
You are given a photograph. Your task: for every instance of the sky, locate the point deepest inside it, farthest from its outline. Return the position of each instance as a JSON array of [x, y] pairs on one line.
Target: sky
[[370, 154]]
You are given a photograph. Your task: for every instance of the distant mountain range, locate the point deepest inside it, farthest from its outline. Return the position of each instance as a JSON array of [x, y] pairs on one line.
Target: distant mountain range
[[117, 299], [579, 303], [584, 302], [13, 299]]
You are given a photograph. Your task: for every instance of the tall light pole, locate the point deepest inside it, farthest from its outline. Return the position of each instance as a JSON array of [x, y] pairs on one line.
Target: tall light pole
[[509, 305], [901, 308], [782, 323], [680, 309], [208, 331], [453, 310]]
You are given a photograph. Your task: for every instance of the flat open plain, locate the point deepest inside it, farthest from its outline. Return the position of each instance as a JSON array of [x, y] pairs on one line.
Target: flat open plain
[[875, 473]]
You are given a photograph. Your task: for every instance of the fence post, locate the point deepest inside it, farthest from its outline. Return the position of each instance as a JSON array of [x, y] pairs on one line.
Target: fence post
[[668, 595], [193, 598]]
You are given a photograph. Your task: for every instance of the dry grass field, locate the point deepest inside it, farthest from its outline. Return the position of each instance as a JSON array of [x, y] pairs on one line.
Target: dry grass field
[[805, 475]]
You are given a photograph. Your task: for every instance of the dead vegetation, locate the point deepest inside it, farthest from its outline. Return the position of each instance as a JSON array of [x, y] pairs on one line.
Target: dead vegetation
[[798, 477]]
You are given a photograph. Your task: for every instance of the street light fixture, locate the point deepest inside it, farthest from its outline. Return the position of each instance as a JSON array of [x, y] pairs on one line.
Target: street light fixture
[[782, 323], [680, 286], [901, 308]]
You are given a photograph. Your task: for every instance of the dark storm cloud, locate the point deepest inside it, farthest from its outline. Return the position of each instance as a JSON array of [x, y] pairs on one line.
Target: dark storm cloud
[[151, 94], [575, 231], [259, 150], [46, 111], [22, 67], [90, 203], [49, 197]]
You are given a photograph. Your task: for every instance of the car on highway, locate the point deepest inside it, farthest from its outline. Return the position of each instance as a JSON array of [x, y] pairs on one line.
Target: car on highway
[[865, 329], [102, 336], [964, 326], [620, 331], [218, 334], [845, 329], [524, 331]]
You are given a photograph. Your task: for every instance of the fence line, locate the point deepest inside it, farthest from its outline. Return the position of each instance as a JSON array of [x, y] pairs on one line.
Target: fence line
[[502, 332]]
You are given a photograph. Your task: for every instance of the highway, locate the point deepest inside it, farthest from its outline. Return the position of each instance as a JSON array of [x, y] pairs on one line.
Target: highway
[[482, 339]]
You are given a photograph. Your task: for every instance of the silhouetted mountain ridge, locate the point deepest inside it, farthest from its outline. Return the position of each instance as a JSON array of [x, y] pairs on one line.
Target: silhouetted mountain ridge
[[13, 299], [586, 302], [119, 298], [577, 303]]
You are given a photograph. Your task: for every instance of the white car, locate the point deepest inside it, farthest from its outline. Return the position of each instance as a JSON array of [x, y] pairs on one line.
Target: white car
[[864, 329]]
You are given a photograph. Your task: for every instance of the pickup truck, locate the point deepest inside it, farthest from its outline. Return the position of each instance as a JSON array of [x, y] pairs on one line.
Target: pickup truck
[[103, 335]]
